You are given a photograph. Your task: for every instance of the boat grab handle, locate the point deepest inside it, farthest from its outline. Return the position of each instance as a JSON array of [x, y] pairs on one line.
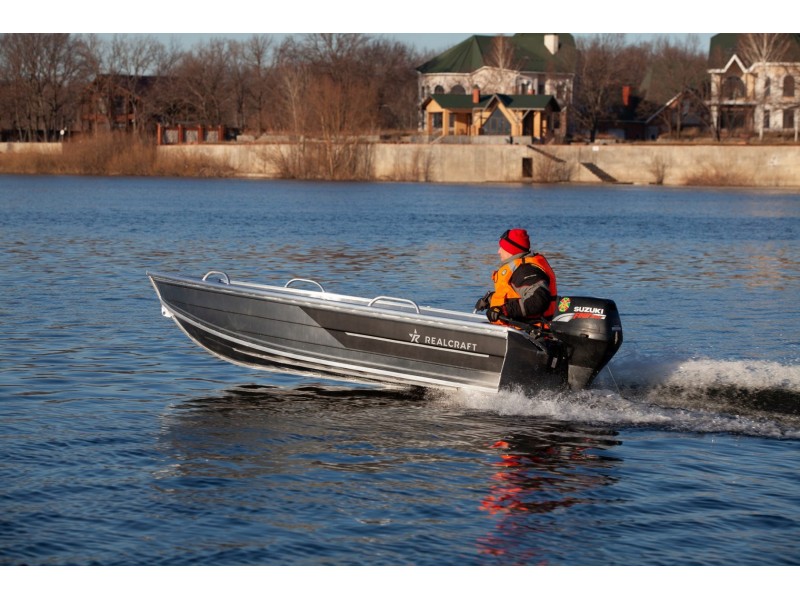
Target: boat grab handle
[[225, 275], [390, 299], [291, 281]]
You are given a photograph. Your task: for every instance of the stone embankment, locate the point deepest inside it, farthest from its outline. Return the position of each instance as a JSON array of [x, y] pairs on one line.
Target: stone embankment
[[644, 164], [745, 165]]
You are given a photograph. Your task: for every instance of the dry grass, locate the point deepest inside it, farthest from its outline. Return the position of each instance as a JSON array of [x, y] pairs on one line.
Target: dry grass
[[29, 163], [190, 164], [714, 175], [330, 161], [415, 167], [552, 170], [658, 169], [111, 154]]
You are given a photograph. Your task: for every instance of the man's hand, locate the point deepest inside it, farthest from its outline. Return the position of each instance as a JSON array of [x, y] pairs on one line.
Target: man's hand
[[494, 314], [483, 303]]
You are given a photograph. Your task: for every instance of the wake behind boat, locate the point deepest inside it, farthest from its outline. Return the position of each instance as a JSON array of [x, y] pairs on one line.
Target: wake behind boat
[[387, 339]]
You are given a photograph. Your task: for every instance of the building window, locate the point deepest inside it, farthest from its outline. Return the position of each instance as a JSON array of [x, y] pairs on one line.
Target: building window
[[458, 89], [438, 90], [733, 88], [766, 119], [788, 86], [732, 119], [119, 105], [788, 119], [497, 124], [767, 84]]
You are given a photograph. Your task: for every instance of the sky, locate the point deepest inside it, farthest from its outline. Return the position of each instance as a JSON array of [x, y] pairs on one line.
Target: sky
[[420, 41], [421, 23]]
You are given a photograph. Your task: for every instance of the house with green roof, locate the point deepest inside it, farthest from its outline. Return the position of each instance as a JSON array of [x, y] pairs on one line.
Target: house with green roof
[[754, 82], [504, 70], [508, 115]]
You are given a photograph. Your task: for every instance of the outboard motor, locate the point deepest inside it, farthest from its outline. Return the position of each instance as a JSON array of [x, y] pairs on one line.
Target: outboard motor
[[592, 330]]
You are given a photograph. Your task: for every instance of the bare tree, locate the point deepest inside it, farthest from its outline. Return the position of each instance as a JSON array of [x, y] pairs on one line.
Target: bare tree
[[335, 54], [257, 58], [134, 66], [239, 80], [762, 49], [294, 78], [45, 75], [503, 61], [325, 85], [339, 63], [204, 75], [390, 66], [599, 79], [677, 82], [328, 96]]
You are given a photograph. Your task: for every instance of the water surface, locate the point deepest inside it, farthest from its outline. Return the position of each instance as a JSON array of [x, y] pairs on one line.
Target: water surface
[[122, 443]]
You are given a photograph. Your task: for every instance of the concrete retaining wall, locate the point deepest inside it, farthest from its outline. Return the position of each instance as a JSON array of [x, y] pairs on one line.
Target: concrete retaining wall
[[768, 166], [21, 147], [741, 165], [776, 166]]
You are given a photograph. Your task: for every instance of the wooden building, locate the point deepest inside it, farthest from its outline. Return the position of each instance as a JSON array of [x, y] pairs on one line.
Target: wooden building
[[508, 69], [510, 115]]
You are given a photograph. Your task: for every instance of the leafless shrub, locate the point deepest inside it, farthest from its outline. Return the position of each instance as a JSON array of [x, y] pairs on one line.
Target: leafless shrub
[[552, 170], [186, 163], [658, 168], [416, 166], [344, 161], [114, 154], [714, 175], [28, 163]]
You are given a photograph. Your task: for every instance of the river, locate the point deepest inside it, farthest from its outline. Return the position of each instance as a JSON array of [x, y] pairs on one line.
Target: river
[[125, 444]]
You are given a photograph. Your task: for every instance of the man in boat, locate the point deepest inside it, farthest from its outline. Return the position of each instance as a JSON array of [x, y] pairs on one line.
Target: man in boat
[[524, 283]]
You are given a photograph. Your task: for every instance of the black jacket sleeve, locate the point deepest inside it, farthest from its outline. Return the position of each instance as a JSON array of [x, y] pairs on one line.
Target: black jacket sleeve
[[533, 286]]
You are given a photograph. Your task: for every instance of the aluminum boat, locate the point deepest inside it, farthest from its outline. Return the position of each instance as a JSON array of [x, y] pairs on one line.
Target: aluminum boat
[[302, 328]]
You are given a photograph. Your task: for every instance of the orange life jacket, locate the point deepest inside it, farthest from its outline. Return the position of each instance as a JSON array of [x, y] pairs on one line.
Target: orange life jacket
[[502, 280]]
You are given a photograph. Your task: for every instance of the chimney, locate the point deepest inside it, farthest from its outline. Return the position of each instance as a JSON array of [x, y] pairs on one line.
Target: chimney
[[551, 42], [476, 95], [626, 95]]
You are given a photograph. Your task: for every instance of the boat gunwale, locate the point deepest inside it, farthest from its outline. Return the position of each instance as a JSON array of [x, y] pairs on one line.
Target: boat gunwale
[[354, 304]]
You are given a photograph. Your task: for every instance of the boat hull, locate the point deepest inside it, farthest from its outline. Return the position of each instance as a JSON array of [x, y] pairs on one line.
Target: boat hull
[[392, 341]]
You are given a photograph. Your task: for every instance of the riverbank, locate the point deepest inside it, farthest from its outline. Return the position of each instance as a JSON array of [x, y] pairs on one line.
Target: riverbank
[[643, 164]]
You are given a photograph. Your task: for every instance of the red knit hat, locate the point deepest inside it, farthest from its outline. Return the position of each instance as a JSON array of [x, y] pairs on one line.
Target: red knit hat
[[515, 241]]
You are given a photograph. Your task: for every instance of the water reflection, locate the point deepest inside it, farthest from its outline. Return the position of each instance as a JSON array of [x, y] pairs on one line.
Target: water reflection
[[549, 470], [391, 464], [530, 467], [275, 427]]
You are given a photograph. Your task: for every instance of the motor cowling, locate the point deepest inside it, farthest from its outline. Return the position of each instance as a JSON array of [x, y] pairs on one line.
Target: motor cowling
[[592, 330]]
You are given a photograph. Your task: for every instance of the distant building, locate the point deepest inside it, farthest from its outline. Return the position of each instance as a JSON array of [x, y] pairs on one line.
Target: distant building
[[508, 115], [525, 64], [754, 82], [118, 103]]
